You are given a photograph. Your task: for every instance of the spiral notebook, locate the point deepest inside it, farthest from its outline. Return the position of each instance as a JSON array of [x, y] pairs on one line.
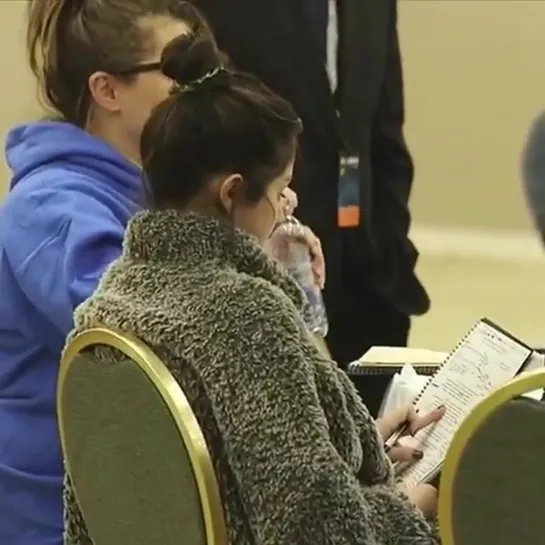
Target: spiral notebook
[[486, 358], [388, 360]]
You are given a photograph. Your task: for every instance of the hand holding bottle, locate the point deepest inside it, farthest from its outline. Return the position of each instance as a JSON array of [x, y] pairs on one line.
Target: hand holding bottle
[[317, 259], [289, 244]]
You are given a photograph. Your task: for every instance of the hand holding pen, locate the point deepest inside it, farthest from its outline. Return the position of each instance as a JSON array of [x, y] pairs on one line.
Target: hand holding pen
[[405, 421]]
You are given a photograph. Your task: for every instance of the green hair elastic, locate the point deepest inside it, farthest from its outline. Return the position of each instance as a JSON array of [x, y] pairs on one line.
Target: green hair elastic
[[192, 86]]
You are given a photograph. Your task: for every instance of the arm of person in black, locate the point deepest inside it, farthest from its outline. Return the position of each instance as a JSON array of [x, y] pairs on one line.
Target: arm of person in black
[[392, 180]]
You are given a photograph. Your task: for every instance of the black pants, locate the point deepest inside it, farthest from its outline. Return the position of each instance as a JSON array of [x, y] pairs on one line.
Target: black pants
[[359, 319]]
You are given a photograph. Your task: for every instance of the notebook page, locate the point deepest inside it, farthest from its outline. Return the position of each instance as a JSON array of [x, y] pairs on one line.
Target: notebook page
[[395, 355], [483, 361]]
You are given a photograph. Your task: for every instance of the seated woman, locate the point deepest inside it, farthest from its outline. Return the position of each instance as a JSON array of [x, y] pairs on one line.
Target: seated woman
[[299, 459]]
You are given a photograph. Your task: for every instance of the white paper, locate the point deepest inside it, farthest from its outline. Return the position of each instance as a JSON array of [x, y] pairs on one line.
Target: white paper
[[396, 355], [485, 360], [403, 389]]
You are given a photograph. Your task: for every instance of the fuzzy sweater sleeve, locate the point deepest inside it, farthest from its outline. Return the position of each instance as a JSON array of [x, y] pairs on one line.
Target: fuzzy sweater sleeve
[[295, 486], [341, 399]]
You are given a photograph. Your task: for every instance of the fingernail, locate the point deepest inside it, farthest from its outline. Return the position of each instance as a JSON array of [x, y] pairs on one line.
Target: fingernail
[[440, 408], [418, 455]]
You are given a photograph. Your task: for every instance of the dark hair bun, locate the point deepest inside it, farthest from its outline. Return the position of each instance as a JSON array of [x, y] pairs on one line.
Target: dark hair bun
[[189, 57]]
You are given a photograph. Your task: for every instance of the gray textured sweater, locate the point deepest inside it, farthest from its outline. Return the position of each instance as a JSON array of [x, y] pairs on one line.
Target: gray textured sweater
[[298, 457]]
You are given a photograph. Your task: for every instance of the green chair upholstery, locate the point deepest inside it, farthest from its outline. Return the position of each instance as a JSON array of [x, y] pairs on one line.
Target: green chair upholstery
[[138, 469], [493, 478]]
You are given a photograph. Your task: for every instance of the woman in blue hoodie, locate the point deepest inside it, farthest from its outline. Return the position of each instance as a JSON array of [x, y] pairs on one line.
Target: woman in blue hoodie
[[75, 185]]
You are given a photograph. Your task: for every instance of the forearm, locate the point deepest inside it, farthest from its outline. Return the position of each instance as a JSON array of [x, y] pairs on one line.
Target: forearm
[[397, 521], [291, 439], [320, 501], [376, 468]]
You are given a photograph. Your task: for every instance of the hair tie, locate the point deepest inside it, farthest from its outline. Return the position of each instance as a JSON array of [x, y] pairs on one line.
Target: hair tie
[[193, 85]]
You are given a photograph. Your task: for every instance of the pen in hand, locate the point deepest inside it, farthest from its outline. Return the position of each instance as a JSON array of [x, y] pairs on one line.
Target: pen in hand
[[394, 438], [408, 422]]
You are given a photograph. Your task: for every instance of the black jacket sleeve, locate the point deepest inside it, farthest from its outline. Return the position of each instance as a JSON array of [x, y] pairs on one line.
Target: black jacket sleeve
[[394, 254]]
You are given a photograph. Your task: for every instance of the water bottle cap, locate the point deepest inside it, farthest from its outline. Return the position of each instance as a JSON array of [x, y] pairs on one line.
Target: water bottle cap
[[293, 220]]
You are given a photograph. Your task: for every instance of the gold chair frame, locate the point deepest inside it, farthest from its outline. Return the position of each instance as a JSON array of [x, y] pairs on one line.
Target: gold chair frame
[[178, 406], [522, 384]]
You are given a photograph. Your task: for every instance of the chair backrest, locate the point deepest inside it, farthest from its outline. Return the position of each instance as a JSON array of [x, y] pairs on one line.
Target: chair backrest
[[134, 452], [493, 478]]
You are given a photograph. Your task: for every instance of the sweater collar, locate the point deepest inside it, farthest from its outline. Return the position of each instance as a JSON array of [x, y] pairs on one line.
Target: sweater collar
[[188, 240]]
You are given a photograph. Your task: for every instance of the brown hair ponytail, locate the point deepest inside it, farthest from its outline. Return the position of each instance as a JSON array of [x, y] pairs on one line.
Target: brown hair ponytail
[[217, 121], [47, 21], [69, 40]]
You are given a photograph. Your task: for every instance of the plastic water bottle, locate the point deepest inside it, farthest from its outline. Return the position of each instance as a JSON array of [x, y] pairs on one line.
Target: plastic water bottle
[[289, 246]]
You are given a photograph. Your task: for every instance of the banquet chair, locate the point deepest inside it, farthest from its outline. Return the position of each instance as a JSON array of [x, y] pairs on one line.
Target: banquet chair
[[493, 476], [138, 469]]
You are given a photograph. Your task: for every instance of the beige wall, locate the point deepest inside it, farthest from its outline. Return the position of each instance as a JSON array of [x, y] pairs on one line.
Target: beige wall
[[17, 91], [475, 77]]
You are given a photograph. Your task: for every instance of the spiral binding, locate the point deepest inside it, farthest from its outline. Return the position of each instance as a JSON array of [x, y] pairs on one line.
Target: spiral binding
[[451, 355], [355, 368], [497, 330], [432, 474], [394, 437]]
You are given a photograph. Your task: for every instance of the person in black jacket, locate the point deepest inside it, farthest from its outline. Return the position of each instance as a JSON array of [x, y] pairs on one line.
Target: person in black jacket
[[338, 63]]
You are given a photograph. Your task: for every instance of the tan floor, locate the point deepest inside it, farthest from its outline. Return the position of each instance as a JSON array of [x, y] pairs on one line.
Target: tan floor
[[462, 291]]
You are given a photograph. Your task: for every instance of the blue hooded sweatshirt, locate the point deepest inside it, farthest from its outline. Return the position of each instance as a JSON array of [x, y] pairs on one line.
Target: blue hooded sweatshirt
[[70, 198]]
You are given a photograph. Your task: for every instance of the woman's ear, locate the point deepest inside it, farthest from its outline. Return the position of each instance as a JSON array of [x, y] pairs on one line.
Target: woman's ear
[[104, 90], [231, 192]]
